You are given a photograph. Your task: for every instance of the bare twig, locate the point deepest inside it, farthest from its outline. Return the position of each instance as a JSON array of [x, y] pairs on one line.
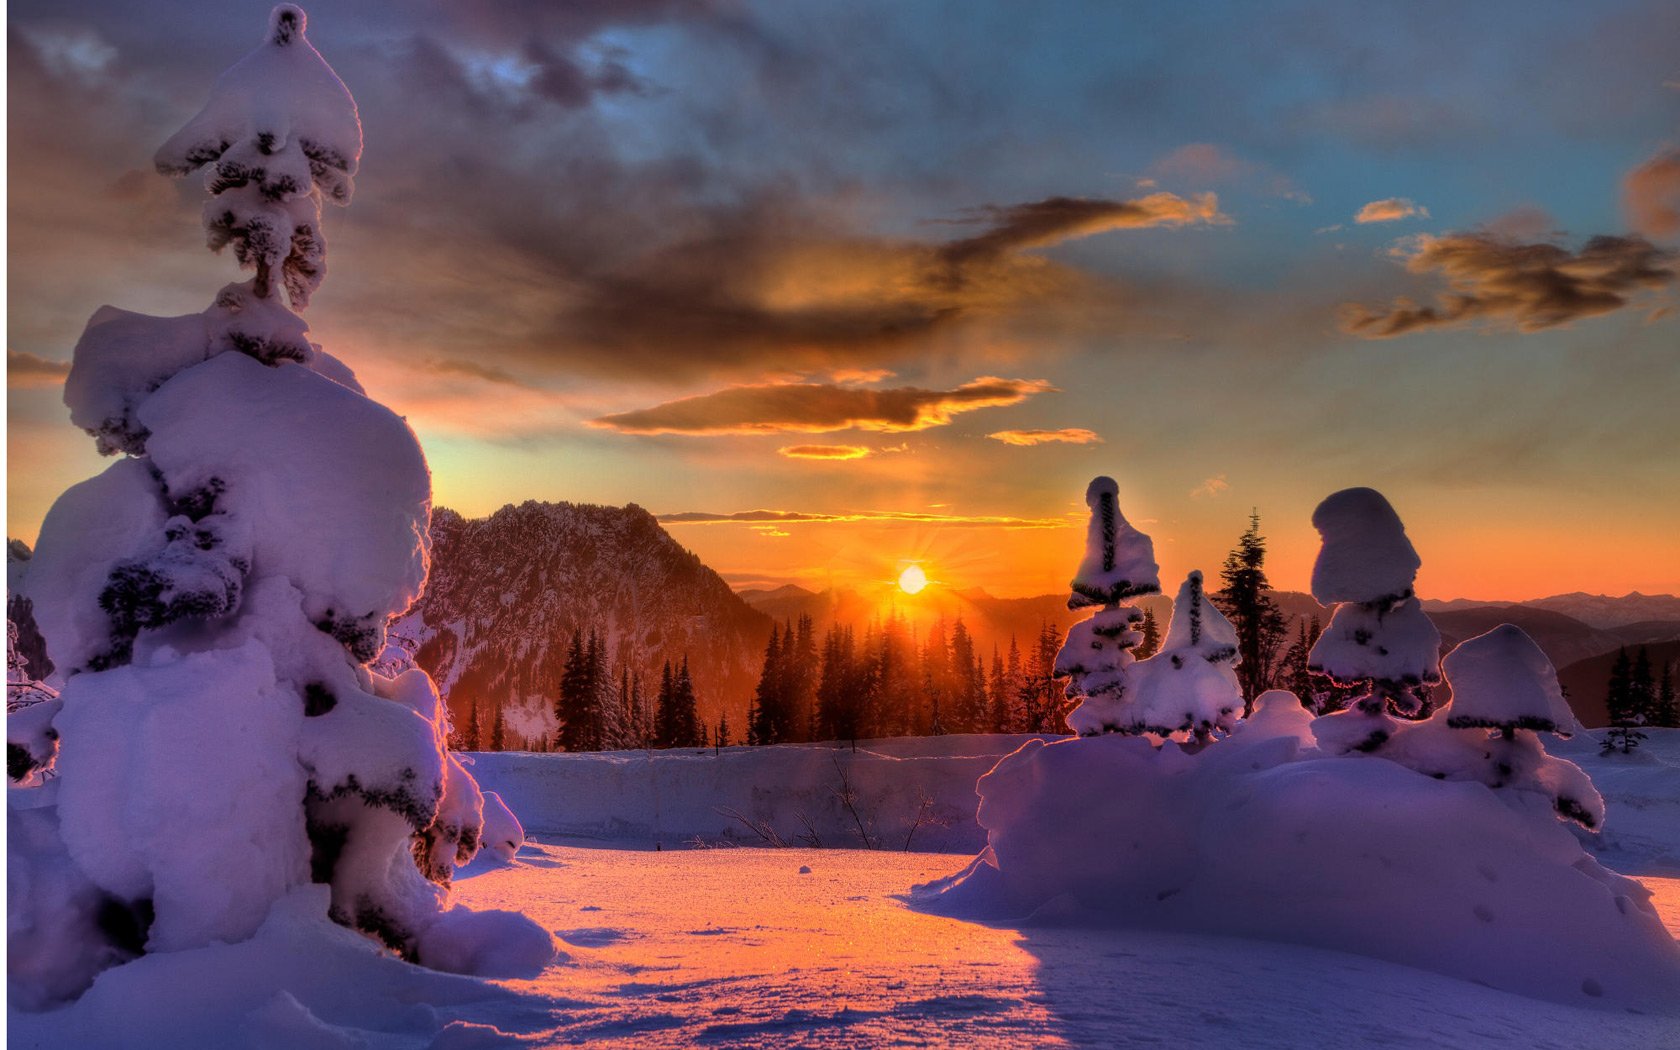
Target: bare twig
[[761, 828], [848, 798]]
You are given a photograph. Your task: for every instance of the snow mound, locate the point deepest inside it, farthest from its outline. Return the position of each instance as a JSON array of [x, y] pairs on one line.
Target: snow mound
[[1502, 679], [1366, 555], [1260, 835]]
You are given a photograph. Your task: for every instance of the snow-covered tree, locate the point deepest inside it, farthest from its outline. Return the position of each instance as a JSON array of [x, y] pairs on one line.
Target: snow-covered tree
[[1119, 564], [1501, 681], [1191, 685], [214, 599], [1378, 637]]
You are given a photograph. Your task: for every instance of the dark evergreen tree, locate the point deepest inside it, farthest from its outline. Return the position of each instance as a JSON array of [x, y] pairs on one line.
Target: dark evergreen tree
[[997, 696], [1151, 631], [665, 726], [1642, 690], [474, 738], [498, 731], [687, 706], [799, 650], [1618, 694], [771, 714], [1246, 601], [723, 730], [1667, 710], [1040, 695]]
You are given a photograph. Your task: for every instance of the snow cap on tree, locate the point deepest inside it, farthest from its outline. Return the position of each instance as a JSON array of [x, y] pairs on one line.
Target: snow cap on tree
[[1365, 556], [1198, 626], [1119, 560], [1502, 680], [279, 132]]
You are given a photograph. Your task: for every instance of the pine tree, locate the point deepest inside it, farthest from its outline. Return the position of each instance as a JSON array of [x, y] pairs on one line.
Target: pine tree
[[723, 730], [1618, 694], [800, 668], [667, 723], [769, 708], [1667, 710], [1151, 631], [498, 731], [1245, 601], [1642, 690], [687, 708], [473, 736]]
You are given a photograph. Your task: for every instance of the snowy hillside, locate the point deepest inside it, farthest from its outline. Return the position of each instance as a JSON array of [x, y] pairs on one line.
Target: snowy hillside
[[506, 593]]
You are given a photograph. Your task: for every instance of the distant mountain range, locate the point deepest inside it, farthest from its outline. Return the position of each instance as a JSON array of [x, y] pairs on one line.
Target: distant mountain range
[[507, 591]]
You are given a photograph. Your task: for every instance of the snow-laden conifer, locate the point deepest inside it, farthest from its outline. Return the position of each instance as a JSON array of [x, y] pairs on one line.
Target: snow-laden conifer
[[216, 596], [1378, 636]]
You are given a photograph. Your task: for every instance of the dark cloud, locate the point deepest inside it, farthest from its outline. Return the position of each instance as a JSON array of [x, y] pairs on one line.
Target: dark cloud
[[1651, 195], [1038, 224], [1530, 286], [30, 370], [817, 408]]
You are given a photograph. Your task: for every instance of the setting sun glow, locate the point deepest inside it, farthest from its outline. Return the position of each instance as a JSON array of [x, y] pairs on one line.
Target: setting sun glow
[[912, 580]]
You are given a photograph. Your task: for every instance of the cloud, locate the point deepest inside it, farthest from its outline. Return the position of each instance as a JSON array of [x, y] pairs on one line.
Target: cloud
[[1067, 436], [1651, 195], [827, 452], [771, 531], [1204, 163], [861, 375], [819, 408], [760, 518], [30, 370], [1390, 209], [777, 281], [1529, 286], [1210, 488]]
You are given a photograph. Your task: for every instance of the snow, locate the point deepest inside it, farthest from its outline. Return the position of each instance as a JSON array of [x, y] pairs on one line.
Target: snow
[[1396, 643], [1119, 560], [1258, 836], [1501, 679], [294, 447], [114, 517], [735, 946], [1365, 555]]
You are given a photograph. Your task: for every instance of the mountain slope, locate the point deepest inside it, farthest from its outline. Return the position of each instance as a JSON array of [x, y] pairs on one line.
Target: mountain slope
[[506, 593]]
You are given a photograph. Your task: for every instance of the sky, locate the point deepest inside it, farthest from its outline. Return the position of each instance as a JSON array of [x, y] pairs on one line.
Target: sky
[[834, 288]]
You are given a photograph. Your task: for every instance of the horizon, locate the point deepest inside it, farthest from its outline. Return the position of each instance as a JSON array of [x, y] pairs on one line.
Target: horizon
[[913, 327]]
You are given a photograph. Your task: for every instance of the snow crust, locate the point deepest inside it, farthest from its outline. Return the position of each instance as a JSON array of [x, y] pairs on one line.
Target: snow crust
[[1264, 835]]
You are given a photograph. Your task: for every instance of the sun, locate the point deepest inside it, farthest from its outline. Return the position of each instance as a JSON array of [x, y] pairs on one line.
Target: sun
[[912, 580]]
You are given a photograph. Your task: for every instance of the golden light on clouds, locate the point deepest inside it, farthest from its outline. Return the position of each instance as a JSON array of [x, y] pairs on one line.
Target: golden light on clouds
[[1065, 436], [1390, 209], [824, 452]]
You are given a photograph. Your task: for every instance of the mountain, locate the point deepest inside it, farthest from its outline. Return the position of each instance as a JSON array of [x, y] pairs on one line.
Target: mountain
[[1563, 639], [1587, 682], [506, 593], [1596, 610]]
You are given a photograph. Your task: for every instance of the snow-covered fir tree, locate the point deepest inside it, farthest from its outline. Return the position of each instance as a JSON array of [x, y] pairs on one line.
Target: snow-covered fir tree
[[215, 597], [1190, 685], [1119, 564], [1378, 638], [1502, 682]]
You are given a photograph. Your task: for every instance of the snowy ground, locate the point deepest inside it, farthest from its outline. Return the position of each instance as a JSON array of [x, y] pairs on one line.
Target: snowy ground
[[737, 946]]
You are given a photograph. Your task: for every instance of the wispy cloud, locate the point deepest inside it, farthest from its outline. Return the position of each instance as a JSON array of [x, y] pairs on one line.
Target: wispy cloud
[[824, 452], [1528, 286], [1210, 488], [1205, 163], [1390, 209], [1066, 436], [1651, 194], [819, 408], [24, 369], [782, 517]]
